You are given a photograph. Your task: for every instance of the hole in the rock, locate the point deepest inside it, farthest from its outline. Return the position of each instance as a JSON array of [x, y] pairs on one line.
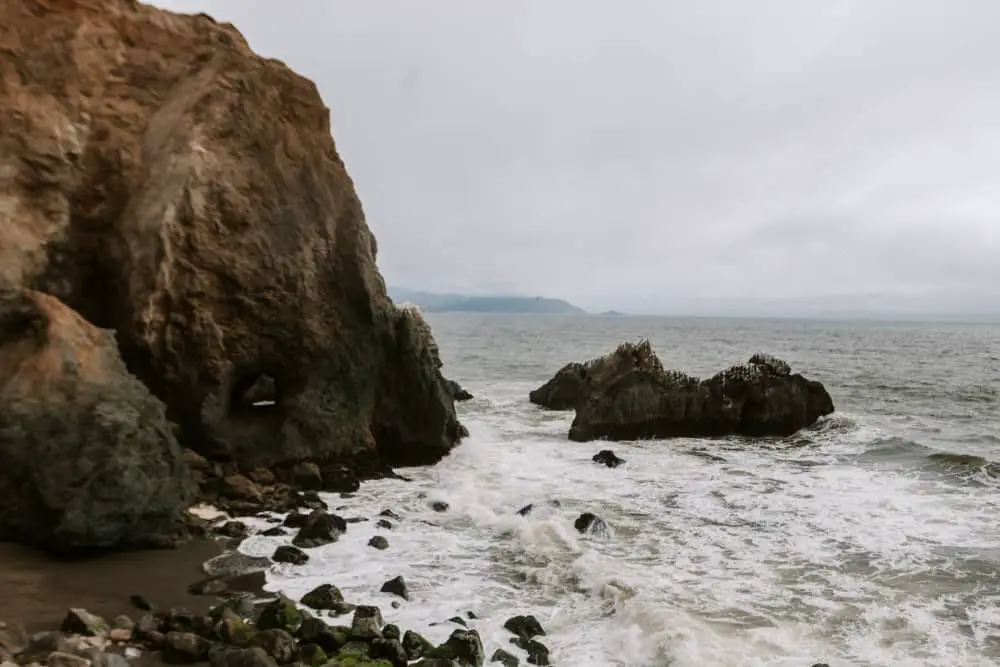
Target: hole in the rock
[[255, 393]]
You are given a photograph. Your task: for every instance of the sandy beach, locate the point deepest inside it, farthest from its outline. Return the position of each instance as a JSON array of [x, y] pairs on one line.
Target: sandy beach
[[36, 590]]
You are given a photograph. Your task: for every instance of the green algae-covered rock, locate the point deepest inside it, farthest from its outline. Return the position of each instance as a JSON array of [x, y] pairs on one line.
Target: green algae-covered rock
[[280, 614]]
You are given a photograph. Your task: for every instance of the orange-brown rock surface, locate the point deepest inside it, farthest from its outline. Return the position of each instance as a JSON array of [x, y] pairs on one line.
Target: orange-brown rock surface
[[87, 458], [163, 181]]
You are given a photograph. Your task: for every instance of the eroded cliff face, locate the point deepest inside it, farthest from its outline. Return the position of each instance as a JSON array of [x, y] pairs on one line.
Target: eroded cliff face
[[163, 181]]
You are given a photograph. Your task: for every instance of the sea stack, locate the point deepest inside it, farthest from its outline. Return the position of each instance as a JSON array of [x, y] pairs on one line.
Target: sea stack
[[628, 395]]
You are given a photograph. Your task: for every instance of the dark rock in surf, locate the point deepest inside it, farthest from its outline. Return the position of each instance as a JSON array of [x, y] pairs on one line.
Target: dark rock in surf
[[278, 643], [504, 658], [457, 392], [211, 586], [590, 524], [280, 614], [384, 523], [572, 383], [320, 528], [396, 586], [389, 514], [525, 627], [327, 597], [415, 645], [236, 529], [88, 460], [440, 506], [378, 542], [289, 554], [386, 648], [463, 646], [608, 458], [538, 653], [274, 531], [526, 510], [367, 622], [757, 399]]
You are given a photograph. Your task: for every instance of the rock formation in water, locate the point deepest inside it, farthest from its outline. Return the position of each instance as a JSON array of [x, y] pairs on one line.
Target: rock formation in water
[[87, 457], [573, 382], [632, 397], [163, 181]]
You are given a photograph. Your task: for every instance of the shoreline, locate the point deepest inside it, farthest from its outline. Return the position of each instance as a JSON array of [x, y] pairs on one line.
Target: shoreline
[[39, 589], [138, 608]]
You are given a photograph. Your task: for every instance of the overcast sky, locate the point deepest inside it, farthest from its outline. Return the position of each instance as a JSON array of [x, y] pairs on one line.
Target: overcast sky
[[664, 154]]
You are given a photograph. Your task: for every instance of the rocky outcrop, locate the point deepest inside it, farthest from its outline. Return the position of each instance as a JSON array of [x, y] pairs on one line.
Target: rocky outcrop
[[760, 398], [572, 383], [163, 181], [88, 460], [238, 633]]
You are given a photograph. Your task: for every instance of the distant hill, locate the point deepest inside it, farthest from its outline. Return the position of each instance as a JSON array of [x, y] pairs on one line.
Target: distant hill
[[443, 303]]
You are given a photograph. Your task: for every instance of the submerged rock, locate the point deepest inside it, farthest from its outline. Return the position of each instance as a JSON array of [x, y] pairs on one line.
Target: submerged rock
[[608, 458], [627, 395]]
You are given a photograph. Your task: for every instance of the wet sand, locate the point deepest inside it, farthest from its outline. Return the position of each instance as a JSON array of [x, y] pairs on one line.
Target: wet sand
[[36, 591]]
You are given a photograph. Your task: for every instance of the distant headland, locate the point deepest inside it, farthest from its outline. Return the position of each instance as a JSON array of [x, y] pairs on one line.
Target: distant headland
[[443, 303]]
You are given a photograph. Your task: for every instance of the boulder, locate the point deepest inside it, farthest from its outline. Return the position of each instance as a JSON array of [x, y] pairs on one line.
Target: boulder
[[758, 399], [608, 458], [396, 586], [589, 523], [164, 181], [88, 460], [292, 555], [573, 382], [319, 528]]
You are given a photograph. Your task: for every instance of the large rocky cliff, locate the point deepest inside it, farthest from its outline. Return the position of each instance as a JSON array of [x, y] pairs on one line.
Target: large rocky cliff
[[166, 183]]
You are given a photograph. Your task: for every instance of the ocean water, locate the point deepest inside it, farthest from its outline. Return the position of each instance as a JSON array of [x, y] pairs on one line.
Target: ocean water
[[873, 538]]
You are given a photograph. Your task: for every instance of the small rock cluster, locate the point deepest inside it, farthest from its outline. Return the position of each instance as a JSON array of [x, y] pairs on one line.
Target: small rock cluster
[[238, 633]]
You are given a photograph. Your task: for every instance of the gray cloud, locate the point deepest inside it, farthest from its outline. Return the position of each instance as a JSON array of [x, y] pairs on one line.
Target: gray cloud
[[653, 154]]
